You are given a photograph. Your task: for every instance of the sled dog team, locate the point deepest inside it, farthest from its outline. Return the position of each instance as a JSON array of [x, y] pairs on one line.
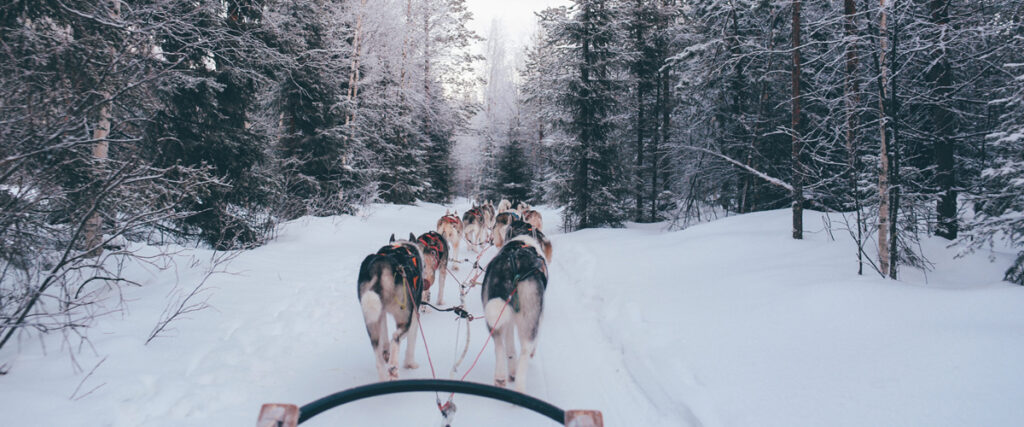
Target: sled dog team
[[399, 276]]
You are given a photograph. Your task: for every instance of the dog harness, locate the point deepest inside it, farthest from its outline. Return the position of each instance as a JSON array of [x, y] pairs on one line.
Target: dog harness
[[452, 219], [519, 245], [435, 244], [407, 262], [521, 228]]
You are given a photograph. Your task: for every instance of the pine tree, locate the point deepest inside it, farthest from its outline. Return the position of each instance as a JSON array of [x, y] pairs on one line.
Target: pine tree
[[205, 122], [312, 108], [514, 177], [596, 181], [998, 200]]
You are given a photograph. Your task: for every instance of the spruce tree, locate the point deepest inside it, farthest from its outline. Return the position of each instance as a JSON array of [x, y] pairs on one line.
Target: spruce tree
[[205, 123], [514, 177], [596, 183]]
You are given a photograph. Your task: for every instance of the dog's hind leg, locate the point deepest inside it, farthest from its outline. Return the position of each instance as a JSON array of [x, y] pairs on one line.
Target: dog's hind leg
[[528, 345], [510, 351], [500, 368], [440, 285], [377, 328], [393, 349], [378, 331], [428, 282], [410, 341], [455, 249]]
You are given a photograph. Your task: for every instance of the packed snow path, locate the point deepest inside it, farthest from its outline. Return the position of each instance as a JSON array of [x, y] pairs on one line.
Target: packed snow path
[[729, 323]]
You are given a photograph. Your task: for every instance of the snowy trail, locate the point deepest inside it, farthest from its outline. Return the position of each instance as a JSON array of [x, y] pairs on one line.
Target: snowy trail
[[730, 323]]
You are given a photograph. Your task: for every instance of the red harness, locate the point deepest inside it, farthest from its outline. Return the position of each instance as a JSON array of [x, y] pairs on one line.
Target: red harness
[[409, 260], [432, 241], [452, 219]]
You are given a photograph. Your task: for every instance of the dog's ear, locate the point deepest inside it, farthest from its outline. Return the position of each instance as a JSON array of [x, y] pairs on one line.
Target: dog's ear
[[446, 213], [412, 237], [392, 238]]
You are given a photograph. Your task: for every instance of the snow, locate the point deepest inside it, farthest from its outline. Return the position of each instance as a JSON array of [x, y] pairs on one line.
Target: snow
[[729, 323]]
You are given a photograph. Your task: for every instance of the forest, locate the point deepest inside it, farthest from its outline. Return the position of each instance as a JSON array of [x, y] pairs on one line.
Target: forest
[[208, 123]]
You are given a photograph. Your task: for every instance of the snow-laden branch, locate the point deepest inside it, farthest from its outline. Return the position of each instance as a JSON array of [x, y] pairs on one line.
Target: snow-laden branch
[[770, 179]]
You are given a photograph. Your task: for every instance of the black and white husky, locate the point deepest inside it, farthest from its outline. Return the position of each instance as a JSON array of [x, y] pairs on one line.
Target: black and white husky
[[391, 282], [513, 298]]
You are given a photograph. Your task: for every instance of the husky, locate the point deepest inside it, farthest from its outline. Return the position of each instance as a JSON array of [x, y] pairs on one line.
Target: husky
[[474, 228], [523, 228], [513, 299], [435, 262], [501, 223], [533, 217], [504, 205], [450, 226], [520, 207], [487, 209], [390, 282]]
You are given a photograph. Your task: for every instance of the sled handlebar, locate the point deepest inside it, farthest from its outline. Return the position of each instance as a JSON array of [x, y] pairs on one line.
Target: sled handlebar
[[288, 415]]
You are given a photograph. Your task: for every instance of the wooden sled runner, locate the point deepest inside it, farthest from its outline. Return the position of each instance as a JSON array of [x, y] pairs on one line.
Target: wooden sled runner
[[288, 415]]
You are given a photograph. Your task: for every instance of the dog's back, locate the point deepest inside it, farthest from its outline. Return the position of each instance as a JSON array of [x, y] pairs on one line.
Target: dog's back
[[501, 223], [523, 228], [533, 217], [450, 226]]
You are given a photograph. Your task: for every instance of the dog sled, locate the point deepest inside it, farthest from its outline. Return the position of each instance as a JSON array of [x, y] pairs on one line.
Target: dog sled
[[289, 415]]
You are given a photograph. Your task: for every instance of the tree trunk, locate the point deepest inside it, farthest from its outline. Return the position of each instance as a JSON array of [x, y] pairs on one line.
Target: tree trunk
[[941, 81], [798, 170], [94, 225], [660, 139], [894, 158], [353, 75], [640, 92], [883, 173], [93, 232], [405, 44], [852, 99], [426, 56]]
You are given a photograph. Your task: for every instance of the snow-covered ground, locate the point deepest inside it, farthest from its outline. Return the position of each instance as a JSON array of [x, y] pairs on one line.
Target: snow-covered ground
[[730, 323]]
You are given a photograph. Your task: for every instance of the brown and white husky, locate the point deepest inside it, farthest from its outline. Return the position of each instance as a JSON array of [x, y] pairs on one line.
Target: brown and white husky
[[450, 226], [435, 262]]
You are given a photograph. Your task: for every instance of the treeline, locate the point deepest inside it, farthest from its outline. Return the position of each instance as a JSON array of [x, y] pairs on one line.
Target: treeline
[[905, 115], [208, 121]]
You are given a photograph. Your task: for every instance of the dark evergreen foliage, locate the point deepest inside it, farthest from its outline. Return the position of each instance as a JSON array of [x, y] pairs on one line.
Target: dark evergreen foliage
[[595, 181], [514, 174]]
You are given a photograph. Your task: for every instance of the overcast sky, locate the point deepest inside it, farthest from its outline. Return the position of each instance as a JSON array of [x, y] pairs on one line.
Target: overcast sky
[[516, 17]]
